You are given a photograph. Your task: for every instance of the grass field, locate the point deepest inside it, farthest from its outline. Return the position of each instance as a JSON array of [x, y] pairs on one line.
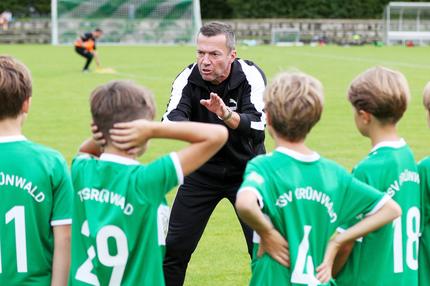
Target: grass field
[[60, 115]]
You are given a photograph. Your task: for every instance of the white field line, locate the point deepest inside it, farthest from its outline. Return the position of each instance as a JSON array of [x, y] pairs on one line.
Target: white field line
[[361, 59]]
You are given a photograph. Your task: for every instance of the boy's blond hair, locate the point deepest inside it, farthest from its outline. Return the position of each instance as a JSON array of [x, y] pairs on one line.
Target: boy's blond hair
[[382, 92], [426, 96], [120, 101], [15, 86], [294, 103]]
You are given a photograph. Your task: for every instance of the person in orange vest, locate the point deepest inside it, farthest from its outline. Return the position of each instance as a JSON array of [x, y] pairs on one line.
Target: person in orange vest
[[85, 46]]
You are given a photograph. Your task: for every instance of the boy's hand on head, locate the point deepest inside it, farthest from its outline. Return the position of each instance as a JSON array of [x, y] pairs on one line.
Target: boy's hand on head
[[215, 104], [130, 135], [276, 246], [97, 135]]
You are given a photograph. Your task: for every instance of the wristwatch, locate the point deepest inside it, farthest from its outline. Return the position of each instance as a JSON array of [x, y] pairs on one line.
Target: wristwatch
[[228, 116]]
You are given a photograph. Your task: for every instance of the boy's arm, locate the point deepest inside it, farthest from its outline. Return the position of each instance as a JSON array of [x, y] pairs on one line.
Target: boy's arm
[[342, 257], [90, 146], [387, 213], [272, 241], [206, 139], [61, 258]]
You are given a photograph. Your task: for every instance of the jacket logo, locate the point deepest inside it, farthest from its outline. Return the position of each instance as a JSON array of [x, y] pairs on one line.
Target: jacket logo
[[232, 104]]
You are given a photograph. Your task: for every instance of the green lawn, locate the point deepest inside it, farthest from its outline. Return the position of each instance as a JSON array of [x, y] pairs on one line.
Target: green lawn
[[60, 115]]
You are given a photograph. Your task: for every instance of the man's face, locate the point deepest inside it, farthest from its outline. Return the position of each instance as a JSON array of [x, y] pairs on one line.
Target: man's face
[[214, 58]]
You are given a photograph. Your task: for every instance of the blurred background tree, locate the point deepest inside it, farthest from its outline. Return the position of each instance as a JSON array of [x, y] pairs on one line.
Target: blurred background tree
[[229, 9], [26, 8]]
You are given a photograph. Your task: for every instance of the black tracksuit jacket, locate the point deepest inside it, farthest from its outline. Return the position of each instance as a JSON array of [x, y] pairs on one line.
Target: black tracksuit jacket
[[243, 92]]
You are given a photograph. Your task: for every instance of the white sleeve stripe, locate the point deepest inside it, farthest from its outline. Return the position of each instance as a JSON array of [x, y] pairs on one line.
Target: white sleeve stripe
[[61, 222], [256, 81], [178, 167], [379, 205], [177, 87], [257, 125], [256, 192]]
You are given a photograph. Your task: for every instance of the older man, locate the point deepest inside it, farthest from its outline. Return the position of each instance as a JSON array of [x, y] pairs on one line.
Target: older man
[[218, 88]]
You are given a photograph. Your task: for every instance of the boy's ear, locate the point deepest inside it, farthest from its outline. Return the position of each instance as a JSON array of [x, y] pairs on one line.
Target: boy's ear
[[26, 105], [268, 119], [428, 118], [365, 116]]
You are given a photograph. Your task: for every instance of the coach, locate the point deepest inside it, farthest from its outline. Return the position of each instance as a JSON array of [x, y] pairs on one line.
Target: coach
[[218, 88]]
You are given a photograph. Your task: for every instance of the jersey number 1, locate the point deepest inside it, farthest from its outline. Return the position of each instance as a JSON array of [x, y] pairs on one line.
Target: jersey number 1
[[18, 215]]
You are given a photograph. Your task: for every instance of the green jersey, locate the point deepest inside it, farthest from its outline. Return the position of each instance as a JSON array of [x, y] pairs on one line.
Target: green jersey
[[36, 194], [388, 256], [424, 249], [306, 197], [119, 219]]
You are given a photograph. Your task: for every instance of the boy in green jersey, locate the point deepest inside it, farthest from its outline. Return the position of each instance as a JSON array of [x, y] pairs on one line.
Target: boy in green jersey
[[388, 256], [35, 192], [424, 171], [119, 204], [304, 196]]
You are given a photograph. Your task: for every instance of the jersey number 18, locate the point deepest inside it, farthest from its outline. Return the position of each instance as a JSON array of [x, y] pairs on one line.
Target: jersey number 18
[[412, 233]]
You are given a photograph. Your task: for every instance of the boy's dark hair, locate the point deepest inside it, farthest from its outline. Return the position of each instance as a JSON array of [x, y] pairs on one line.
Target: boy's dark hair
[[218, 28], [98, 30], [120, 101], [15, 86]]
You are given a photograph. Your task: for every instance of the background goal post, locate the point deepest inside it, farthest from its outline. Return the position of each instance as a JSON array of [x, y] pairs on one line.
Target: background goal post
[[407, 21], [126, 21], [285, 36]]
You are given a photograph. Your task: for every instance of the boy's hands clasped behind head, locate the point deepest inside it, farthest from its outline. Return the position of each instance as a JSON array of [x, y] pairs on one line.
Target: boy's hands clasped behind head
[[98, 136], [133, 134]]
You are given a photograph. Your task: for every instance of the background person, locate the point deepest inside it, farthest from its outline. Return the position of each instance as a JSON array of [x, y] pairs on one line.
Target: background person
[[5, 19], [85, 46], [220, 89]]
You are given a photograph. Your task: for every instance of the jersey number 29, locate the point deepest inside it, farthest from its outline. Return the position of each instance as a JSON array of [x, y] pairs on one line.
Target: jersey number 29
[[117, 261]]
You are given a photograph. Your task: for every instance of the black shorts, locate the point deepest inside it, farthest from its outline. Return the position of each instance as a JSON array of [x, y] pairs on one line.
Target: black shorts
[[83, 52]]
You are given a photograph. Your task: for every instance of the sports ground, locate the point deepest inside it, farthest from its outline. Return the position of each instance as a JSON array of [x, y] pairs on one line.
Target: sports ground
[[60, 115]]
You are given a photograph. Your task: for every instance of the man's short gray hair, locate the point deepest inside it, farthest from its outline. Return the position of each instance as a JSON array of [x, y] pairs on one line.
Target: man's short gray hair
[[217, 28]]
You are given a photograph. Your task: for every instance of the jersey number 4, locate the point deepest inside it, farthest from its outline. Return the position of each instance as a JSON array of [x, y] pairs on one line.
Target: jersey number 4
[[412, 233], [117, 261], [304, 269]]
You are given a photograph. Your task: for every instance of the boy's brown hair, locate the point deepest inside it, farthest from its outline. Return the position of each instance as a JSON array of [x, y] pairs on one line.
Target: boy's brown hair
[[120, 101], [15, 86], [426, 96], [294, 103], [382, 92]]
